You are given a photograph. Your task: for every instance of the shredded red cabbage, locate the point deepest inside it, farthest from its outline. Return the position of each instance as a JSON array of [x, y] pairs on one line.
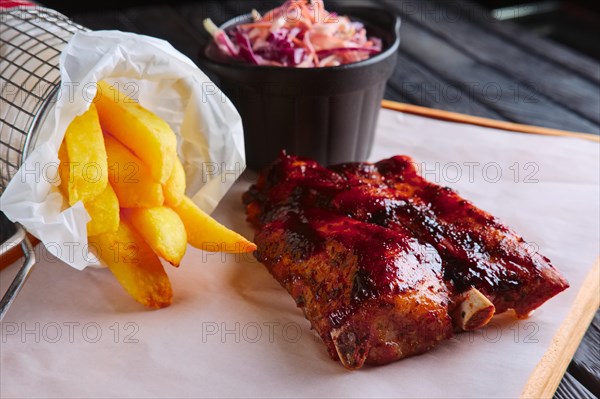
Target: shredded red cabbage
[[299, 33]]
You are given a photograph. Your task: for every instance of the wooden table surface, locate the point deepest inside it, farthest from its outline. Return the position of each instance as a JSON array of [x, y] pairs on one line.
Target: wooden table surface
[[453, 56]]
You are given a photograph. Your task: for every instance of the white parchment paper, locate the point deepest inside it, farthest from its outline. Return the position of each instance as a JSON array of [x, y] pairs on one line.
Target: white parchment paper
[[233, 331], [208, 127]]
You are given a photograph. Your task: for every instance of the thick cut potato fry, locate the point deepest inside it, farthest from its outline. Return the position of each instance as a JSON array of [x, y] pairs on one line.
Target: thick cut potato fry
[[130, 178], [174, 188], [206, 233], [87, 157], [135, 265], [162, 229], [104, 211], [144, 133]]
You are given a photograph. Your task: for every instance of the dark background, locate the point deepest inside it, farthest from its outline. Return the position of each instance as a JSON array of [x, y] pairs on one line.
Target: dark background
[[573, 23]]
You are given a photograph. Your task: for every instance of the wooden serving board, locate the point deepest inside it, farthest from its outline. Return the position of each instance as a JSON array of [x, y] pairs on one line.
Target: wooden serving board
[[548, 373]]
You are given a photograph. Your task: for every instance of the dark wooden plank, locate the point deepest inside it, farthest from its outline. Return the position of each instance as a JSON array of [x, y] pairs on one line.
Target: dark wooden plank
[[420, 86], [586, 362], [554, 82], [530, 41], [195, 13], [237, 7], [220, 11], [159, 21], [392, 94], [164, 22], [570, 388], [506, 96], [495, 52], [105, 20]]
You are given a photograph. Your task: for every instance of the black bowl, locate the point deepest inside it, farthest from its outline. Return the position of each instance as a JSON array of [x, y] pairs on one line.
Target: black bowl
[[328, 114]]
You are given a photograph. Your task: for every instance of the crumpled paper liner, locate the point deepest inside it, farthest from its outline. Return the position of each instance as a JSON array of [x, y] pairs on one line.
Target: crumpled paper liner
[[208, 128]]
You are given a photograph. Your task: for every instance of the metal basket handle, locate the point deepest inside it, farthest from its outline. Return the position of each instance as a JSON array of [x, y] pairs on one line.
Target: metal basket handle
[[19, 238]]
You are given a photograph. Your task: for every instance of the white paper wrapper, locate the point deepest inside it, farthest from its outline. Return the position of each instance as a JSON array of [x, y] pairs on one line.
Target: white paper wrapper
[[208, 127], [234, 332]]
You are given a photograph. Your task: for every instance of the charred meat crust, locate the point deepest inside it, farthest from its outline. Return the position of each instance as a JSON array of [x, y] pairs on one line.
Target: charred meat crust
[[378, 257]]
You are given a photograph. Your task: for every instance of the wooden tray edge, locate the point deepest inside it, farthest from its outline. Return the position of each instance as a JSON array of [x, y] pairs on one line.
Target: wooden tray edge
[[548, 373], [485, 122], [546, 376]]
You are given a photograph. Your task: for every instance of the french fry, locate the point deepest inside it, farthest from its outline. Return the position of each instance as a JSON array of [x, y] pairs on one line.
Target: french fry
[[135, 265], [84, 143], [204, 232], [162, 229], [104, 211], [130, 178], [148, 136], [174, 188], [136, 199]]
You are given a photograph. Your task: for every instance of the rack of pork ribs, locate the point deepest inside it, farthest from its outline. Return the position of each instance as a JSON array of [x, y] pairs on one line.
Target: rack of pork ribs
[[385, 264]]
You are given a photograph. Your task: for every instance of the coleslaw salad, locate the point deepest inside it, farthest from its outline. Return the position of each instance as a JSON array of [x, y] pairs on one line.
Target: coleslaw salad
[[299, 33]]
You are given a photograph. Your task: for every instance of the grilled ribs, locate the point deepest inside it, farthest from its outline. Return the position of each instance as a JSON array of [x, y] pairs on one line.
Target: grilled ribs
[[384, 263]]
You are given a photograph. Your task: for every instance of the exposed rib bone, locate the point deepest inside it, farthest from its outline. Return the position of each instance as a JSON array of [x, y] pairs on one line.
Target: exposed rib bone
[[474, 310], [351, 351]]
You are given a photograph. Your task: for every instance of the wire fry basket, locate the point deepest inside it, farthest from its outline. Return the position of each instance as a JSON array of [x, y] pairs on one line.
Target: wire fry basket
[[31, 41]]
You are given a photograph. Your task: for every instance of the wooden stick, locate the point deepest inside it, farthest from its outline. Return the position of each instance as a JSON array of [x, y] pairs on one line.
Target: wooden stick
[[485, 122], [549, 371]]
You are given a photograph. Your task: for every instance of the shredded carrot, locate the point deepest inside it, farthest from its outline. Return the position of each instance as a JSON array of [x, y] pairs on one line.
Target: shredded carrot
[[298, 42]]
